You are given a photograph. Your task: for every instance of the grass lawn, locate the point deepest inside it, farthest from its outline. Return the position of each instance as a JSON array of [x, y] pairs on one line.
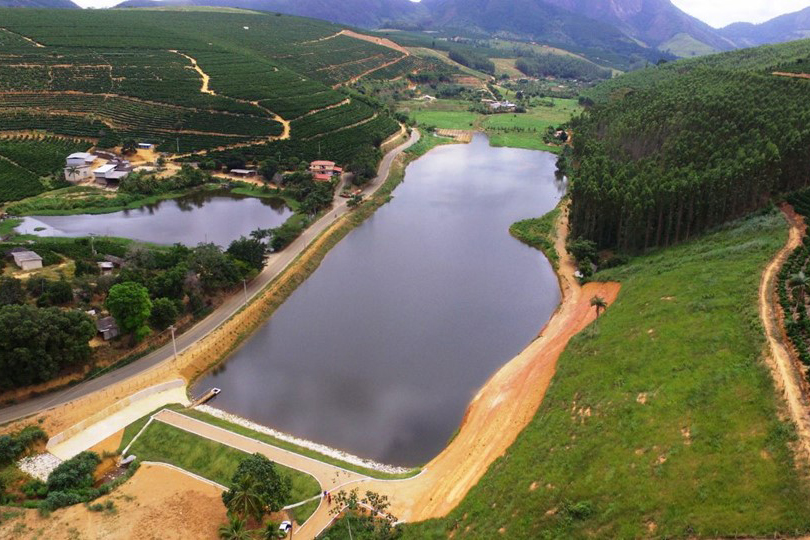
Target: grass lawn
[[212, 460], [7, 226], [443, 114], [662, 421]]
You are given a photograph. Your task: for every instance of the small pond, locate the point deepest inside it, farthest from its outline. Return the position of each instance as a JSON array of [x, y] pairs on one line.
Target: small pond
[[204, 216]]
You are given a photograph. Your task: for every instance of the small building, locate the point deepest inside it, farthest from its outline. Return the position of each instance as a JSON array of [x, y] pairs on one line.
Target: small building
[[118, 262], [324, 171], [26, 259], [106, 268], [244, 173], [112, 172], [79, 159], [145, 145], [101, 172], [502, 106], [107, 327], [105, 155]]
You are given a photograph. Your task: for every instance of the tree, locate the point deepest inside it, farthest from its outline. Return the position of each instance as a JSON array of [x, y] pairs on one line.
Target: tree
[[72, 171], [59, 292], [798, 284], [598, 304], [215, 269], [11, 291], [130, 305], [354, 201], [273, 488], [36, 344], [268, 169], [249, 250], [129, 146], [246, 500], [235, 529], [164, 314]]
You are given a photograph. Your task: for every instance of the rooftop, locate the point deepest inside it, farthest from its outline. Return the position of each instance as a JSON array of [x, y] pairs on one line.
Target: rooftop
[[81, 155]]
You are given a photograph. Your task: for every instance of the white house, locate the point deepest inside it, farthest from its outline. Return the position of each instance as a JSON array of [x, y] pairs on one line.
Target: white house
[[26, 259], [101, 172], [80, 159]]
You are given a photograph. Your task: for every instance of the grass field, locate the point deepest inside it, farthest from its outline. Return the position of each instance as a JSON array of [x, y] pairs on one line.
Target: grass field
[[539, 233], [167, 444], [517, 130], [526, 130], [662, 420]]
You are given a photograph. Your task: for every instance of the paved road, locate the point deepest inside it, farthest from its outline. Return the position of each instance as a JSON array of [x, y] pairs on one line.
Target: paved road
[[276, 264]]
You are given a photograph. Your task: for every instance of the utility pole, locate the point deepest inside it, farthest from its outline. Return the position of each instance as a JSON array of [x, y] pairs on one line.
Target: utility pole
[[174, 343]]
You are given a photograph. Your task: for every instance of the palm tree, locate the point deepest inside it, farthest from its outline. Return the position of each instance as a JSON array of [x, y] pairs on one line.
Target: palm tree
[[246, 501], [235, 529], [72, 171], [599, 304], [798, 283]]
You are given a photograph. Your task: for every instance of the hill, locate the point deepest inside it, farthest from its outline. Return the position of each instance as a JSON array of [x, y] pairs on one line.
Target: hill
[[668, 152], [51, 4], [363, 13], [195, 82], [655, 22], [784, 28]]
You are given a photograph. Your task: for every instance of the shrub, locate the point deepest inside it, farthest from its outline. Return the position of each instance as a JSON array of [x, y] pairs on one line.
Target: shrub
[[73, 474]]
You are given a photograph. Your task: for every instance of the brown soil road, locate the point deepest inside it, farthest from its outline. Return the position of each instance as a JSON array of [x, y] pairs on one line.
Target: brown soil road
[[785, 368]]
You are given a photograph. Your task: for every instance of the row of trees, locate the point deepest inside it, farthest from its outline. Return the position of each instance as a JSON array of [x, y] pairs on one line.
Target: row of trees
[[659, 165]]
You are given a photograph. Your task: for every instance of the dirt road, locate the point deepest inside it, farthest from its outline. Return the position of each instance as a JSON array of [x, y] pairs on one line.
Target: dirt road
[[784, 368]]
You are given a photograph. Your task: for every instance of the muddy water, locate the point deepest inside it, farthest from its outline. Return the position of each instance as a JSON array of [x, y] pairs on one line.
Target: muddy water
[[212, 216], [379, 352]]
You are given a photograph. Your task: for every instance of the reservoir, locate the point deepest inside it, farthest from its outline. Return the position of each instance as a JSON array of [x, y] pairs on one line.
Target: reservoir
[[380, 351], [204, 216]]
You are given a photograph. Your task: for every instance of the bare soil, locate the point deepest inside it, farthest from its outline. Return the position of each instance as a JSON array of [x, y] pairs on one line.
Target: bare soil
[[158, 503]]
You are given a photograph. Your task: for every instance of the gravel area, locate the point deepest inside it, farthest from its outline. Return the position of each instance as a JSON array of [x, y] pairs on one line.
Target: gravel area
[[39, 466]]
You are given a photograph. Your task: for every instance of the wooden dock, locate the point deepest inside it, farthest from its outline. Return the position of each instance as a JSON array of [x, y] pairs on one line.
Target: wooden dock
[[461, 135], [206, 397]]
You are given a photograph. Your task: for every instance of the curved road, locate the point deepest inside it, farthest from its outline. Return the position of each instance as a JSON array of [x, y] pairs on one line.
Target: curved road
[[276, 263]]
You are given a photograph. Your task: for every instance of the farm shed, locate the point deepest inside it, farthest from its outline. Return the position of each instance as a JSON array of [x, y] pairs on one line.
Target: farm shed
[[107, 327], [26, 259], [79, 159], [245, 173]]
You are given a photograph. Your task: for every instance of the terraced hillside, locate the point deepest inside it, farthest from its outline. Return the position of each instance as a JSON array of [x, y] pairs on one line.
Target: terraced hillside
[[191, 82]]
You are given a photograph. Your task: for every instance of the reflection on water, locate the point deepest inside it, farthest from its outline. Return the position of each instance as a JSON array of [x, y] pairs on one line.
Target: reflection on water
[[381, 349], [204, 216]]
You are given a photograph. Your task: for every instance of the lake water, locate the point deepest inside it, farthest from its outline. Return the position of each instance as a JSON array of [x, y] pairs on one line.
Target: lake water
[[205, 216], [380, 351]]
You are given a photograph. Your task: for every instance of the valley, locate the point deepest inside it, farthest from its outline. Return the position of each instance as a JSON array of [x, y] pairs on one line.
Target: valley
[[402, 271]]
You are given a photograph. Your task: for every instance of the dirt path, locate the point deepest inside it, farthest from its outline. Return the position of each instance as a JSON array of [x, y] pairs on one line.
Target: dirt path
[[205, 78], [784, 367], [793, 75], [369, 72]]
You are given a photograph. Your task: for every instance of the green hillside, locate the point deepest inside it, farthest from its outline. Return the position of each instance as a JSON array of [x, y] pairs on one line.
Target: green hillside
[[669, 152], [682, 436], [109, 75]]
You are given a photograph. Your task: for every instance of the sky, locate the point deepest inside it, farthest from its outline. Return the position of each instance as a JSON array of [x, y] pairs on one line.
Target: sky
[[717, 13]]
